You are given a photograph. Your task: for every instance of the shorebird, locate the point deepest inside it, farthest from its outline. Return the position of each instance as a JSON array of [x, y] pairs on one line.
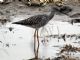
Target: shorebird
[[39, 21]]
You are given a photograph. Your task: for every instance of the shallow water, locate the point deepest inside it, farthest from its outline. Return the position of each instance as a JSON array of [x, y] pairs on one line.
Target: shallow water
[[18, 43], [20, 40]]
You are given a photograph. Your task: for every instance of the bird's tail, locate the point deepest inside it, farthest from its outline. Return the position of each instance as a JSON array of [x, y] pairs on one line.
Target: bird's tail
[[15, 23], [20, 23]]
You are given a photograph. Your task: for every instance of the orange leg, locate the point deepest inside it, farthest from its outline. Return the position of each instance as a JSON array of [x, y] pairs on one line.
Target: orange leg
[[38, 44], [36, 51], [35, 43]]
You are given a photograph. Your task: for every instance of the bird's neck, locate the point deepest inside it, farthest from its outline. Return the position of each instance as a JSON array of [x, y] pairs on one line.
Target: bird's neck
[[51, 15]]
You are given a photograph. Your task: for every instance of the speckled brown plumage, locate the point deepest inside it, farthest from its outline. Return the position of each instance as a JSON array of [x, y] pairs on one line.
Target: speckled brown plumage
[[38, 21]]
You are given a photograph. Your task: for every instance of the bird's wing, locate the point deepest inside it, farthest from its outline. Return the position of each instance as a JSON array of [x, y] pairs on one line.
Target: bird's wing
[[34, 19]]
